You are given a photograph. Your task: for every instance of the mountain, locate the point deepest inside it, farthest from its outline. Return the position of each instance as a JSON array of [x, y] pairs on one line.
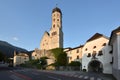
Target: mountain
[[8, 49]]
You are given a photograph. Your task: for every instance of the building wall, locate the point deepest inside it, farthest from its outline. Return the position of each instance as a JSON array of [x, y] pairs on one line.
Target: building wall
[[45, 42], [19, 59], [118, 51], [36, 54], [74, 54], [89, 47], [106, 59], [116, 55]]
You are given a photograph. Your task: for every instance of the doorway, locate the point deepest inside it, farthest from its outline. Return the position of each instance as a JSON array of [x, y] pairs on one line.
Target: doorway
[[95, 66]]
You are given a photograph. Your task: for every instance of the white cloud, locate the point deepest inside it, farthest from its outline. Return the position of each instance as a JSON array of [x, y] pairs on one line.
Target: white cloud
[[15, 39]]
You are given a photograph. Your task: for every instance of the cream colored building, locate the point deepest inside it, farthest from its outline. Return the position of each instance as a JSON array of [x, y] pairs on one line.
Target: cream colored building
[[20, 58], [74, 54]]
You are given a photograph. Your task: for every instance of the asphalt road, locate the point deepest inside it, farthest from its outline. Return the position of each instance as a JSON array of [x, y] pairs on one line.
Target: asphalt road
[[7, 73], [10, 73]]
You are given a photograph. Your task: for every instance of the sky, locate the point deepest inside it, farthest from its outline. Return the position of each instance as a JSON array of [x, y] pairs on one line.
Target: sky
[[23, 22]]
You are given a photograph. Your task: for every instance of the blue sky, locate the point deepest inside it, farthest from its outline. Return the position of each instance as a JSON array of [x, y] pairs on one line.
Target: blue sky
[[23, 22]]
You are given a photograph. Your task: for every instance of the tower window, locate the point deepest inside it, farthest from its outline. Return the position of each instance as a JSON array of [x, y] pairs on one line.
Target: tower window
[[54, 20], [57, 19], [54, 33], [57, 15], [94, 47], [54, 26], [57, 25]]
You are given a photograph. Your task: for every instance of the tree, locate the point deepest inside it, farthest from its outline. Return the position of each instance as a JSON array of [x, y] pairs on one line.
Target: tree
[[60, 57], [2, 56], [75, 63], [43, 61], [56, 52]]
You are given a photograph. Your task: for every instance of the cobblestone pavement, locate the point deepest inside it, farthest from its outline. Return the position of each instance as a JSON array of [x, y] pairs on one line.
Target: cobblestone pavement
[[84, 75]]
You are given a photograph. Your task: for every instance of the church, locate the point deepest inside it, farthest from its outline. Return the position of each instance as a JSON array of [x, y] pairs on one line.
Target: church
[[100, 53], [53, 38]]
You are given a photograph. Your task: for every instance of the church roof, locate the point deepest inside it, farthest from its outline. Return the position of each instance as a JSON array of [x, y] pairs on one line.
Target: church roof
[[46, 33], [56, 9], [95, 36], [113, 32]]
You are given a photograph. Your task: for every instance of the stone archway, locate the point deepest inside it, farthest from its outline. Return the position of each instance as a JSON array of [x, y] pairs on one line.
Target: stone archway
[[95, 66]]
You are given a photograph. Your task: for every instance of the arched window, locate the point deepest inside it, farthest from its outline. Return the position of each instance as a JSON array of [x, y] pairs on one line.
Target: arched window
[[53, 20], [94, 47], [54, 26], [89, 55], [104, 44], [86, 49], [77, 51]]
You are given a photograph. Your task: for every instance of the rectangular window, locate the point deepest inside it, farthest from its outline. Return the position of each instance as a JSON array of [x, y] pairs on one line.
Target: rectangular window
[[77, 51], [77, 57], [70, 58]]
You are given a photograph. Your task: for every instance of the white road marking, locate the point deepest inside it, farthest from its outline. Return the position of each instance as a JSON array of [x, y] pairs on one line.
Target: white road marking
[[71, 75], [99, 79], [53, 78], [81, 76], [92, 78], [75, 75], [86, 77], [15, 77]]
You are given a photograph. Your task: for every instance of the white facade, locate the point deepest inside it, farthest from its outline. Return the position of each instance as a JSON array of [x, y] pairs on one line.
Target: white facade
[[115, 44], [20, 58], [96, 50]]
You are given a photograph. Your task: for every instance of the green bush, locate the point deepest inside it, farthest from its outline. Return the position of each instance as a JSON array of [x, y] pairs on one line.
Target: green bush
[[75, 63]]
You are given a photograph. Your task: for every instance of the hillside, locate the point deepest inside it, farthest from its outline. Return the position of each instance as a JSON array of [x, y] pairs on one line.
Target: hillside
[[8, 49]]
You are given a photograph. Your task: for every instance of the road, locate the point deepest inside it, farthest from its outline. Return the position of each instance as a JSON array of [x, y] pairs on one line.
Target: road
[[10, 73], [7, 73]]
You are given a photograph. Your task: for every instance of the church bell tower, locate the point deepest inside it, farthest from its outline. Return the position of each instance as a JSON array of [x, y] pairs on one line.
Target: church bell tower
[[56, 34]]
